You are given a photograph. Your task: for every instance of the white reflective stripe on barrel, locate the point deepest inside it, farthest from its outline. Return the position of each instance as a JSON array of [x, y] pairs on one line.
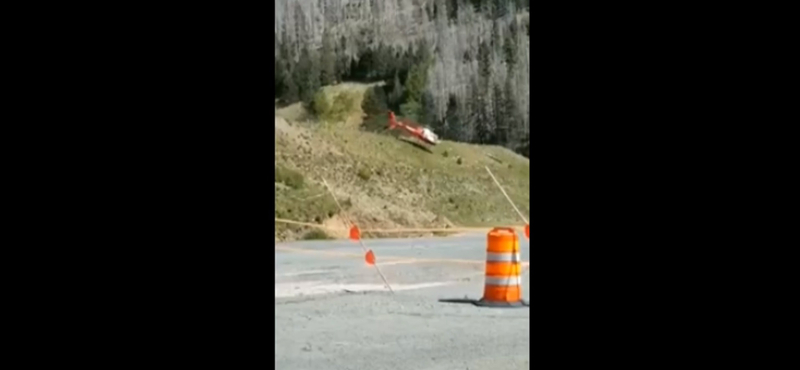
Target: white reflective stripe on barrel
[[503, 257], [503, 281]]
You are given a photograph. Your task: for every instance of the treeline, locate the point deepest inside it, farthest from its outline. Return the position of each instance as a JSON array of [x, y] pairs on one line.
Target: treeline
[[460, 67]]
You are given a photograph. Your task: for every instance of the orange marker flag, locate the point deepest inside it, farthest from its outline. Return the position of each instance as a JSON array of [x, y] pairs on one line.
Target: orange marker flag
[[370, 257], [528, 231], [355, 233]]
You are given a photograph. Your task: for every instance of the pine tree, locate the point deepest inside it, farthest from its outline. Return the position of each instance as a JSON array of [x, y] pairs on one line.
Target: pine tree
[[374, 102], [288, 83], [342, 60], [415, 83], [466, 111], [328, 60], [439, 9], [524, 146], [289, 90], [482, 104], [484, 118], [307, 75], [497, 39], [501, 8], [363, 70], [510, 46], [411, 109], [378, 65], [452, 9], [452, 127], [484, 64], [391, 61], [278, 77], [513, 120], [396, 96], [501, 125], [478, 117], [428, 116], [423, 54], [487, 7]]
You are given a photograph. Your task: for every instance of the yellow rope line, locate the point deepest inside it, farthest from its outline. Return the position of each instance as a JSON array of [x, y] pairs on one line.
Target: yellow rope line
[[400, 230], [388, 259]]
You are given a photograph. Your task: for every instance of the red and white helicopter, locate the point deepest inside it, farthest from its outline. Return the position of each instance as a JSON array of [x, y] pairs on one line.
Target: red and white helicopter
[[422, 133]]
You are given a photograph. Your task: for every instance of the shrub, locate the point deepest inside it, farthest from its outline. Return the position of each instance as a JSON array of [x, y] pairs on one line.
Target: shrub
[[321, 104], [344, 104], [376, 123], [411, 109], [364, 173], [290, 178], [336, 109], [374, 102], [316, 234]]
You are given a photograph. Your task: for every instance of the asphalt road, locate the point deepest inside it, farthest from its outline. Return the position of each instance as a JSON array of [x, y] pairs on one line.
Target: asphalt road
[[332, 310]]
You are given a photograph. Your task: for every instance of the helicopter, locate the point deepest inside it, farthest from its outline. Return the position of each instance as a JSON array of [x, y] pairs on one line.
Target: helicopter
[[424, 134]]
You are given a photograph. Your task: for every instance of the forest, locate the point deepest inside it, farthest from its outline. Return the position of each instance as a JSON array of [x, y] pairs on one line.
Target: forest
[[460, 67]]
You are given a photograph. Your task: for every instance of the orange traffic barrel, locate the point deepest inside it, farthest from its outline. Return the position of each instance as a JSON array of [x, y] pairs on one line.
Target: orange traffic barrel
[[503, 281]]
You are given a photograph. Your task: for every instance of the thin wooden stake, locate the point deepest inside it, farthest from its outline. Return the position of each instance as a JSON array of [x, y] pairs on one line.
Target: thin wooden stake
[[504, 193], [512, 204]]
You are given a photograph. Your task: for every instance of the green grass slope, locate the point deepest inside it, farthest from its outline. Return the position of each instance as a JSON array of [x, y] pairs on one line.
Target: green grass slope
[[386, 182]]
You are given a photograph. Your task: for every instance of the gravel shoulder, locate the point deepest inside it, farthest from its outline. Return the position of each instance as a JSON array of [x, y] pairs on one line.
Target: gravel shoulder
[[332, 310]]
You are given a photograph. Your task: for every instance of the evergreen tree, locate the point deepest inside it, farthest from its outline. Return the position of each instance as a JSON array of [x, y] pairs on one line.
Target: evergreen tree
[[501, 8], [501, 124], [391, 61], [497, 39], [475, 124], [288, 84], [439, 9], [513, 120], [405, 63], [411, 110], [423, 54], [484, 63], [363, 69], [289, 90], [428, 114], [415, 83], [396, 96], [524, 146], [487, 8], [278, 77], [328, 60], [482, 103], [342, 60], [374, 102], [307, 75], [452, 126], [452, 9], [384, 62], [484, 118], [510, 46]]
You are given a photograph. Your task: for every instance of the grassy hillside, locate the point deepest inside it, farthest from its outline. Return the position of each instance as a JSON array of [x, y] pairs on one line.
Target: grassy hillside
[[384, 181]]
